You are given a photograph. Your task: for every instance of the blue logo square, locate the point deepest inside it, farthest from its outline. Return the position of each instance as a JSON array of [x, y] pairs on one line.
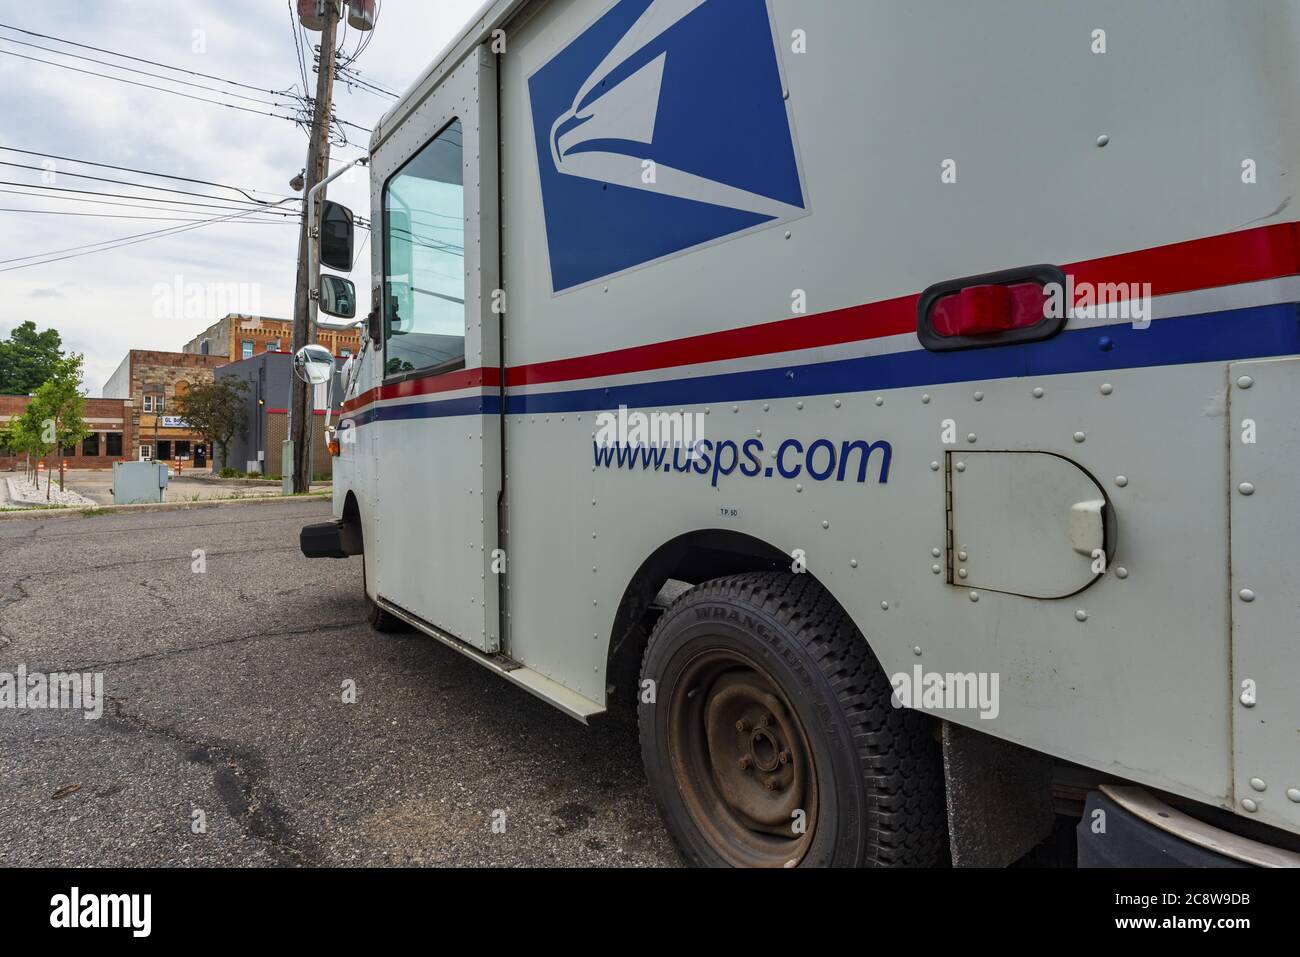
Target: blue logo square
[[662, 127]]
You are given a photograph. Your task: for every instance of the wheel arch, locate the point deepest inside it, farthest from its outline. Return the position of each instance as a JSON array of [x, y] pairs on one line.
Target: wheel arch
[[353, 534], [692, 557]]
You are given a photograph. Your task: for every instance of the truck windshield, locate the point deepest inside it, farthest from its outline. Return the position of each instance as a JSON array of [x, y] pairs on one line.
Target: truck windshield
[[424, 259]]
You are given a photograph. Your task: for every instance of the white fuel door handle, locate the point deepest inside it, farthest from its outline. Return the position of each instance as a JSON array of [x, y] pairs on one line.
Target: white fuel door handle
[[1088, 527]]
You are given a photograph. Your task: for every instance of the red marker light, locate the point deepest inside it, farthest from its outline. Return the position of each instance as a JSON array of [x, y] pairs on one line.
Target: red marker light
[[989, 309]]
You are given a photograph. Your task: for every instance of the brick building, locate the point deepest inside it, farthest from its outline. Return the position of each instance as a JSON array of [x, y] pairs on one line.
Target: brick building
[[149, 382], [241, 337], [269, 378], [109, 420]]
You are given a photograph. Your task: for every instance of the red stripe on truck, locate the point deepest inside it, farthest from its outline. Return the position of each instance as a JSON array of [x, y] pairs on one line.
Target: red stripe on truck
[[1252, 255]]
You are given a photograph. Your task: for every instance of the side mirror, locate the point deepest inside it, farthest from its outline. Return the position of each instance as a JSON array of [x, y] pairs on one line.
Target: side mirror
[[336, 234], [338, 297], [314, 364]]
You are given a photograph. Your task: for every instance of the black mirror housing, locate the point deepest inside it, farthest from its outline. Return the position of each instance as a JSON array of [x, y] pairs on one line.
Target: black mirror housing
[[336, 236], [338, 297]]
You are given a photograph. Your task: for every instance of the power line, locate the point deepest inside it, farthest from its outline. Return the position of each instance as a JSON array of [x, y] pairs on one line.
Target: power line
[[229, 204], [207, 76], [122, 182], [120, 243], [125, 56], [368, 36], [297, 45], [354, 84], [106, 242], [360, 252], [145, 172], [333, 118], [165, 219], [148, 86], [352, 78], [131, 69], [152, 208]]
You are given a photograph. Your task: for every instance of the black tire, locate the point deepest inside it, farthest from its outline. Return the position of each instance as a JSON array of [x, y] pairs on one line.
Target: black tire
[[379, 619], [766, 694]]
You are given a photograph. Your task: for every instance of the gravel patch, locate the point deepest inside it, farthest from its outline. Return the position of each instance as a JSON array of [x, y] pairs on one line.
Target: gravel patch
[[23, 492]]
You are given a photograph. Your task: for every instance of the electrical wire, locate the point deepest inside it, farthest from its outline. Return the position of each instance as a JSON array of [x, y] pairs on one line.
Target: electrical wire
[[164, 219], [229, 204], [106, 242], [131, 69], [177, 69], [297, 44], [122, 182], [155, 209], [145, 172], [125, 241], [360, 251], [147, 86]]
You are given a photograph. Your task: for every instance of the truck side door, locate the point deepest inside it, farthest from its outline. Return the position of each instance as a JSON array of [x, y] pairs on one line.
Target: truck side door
[[437, 421]]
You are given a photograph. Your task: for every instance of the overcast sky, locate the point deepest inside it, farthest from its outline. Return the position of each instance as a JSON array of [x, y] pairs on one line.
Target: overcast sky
[[107, 303]]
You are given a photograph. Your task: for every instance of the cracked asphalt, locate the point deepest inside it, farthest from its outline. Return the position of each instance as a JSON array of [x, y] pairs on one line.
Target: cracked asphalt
[[224, 697]]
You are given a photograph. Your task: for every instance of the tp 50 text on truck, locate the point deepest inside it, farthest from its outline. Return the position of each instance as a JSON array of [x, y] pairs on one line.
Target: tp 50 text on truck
[[949, 353]]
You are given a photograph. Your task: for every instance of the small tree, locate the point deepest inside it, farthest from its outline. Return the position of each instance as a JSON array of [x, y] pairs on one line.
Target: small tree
[[216, 410], [59, 405], [16, 439], [11, 437], [37, 434]]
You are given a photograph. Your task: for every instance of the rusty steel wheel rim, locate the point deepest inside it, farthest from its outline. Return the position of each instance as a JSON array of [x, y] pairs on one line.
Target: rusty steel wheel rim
[[742, 762]]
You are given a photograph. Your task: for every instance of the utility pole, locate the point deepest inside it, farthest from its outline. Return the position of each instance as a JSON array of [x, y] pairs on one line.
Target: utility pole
[[303, 421]]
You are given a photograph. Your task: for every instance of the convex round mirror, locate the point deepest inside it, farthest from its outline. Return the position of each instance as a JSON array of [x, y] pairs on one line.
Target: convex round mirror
[[314, 364]]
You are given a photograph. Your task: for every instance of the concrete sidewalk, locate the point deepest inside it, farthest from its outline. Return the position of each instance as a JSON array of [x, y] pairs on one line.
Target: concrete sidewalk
[[97, 486]]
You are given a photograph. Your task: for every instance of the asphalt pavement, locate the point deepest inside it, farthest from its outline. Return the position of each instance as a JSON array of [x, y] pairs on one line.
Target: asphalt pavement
[[226, 738]]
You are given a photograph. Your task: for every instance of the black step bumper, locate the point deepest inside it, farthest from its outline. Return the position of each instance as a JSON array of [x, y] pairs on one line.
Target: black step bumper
[[1112, 835], [322, 541]]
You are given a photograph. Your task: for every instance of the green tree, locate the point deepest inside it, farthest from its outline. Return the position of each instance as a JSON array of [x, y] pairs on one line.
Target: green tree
[[14, 439], [28, 358], [56, 410], [35, 433], [217, 411]]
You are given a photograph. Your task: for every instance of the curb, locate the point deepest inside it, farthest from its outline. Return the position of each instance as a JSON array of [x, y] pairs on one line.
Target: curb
[[10, 501], [73, 511]]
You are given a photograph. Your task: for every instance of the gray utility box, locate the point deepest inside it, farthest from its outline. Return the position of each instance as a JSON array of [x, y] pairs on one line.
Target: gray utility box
[[138, 482]]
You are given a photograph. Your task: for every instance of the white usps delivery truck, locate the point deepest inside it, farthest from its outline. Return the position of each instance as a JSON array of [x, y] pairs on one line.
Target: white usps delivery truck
[[896, 405]]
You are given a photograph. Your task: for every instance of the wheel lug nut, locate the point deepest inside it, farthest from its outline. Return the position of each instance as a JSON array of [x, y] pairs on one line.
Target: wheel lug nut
[[770, 785], [746, 763], [785, 757], [740, 726], [763, 721]]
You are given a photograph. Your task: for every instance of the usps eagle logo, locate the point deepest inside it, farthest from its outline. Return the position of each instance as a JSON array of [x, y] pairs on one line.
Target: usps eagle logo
[[662, 127]]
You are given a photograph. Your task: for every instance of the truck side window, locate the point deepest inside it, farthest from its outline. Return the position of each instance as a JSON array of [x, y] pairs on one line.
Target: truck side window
[[424, 259]]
